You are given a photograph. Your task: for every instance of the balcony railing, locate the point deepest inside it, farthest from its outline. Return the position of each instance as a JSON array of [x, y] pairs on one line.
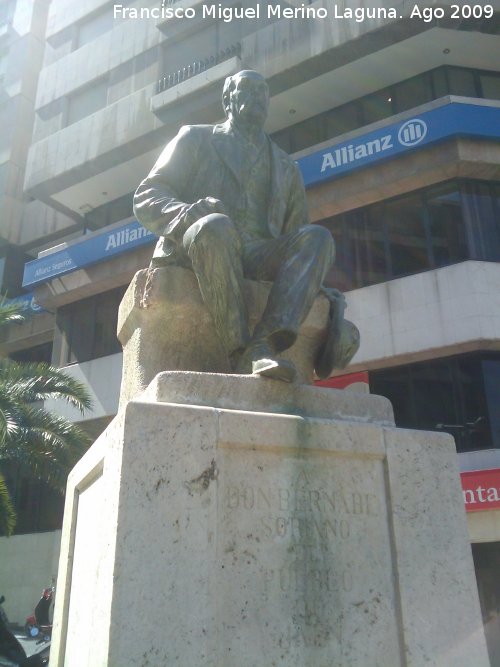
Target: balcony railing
[[197, 67]]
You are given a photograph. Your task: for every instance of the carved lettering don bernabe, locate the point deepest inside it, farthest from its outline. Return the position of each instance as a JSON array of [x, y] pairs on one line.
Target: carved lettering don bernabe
[[302, 500]]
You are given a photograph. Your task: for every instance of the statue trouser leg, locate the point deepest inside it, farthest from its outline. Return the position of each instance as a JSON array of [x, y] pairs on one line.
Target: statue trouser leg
[[297, 263], [213, 247]]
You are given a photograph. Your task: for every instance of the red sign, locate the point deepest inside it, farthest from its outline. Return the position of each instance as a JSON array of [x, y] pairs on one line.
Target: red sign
[[343, 381], [481, 489]]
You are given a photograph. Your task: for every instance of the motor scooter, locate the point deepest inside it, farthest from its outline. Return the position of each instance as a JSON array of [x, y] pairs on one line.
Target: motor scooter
[[12, 654], [38, 624]]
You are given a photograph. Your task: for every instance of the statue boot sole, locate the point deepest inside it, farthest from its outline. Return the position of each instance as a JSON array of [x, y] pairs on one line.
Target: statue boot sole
[[276, 369]]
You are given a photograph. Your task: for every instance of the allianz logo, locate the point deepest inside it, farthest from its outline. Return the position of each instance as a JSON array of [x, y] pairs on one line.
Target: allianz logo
[[411, 133], [126, 236]]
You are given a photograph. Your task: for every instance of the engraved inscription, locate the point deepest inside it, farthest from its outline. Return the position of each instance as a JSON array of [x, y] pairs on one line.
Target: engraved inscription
[[304, 528], [305, 531], [302, 500], [301, 575]]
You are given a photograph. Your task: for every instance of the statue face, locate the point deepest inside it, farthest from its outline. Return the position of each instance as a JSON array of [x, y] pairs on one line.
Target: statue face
[[249, 101]]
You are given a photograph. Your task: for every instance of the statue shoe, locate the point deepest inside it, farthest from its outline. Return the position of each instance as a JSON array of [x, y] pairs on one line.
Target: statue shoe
[[258, 359], [276, 369]]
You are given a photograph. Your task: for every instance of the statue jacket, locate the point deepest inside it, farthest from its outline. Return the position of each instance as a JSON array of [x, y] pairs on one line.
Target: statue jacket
[[205, 161]]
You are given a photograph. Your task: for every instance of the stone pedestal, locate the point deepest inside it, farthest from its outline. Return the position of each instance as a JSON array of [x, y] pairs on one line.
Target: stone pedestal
[[163, 325], [232, 521]]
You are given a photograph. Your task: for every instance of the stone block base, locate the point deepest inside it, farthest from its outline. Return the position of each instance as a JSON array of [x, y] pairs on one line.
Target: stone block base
[[197, 534], [169, 328]]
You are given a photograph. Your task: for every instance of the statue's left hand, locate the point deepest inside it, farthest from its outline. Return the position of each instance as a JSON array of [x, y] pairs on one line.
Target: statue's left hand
[[333, 295], [204, 207]]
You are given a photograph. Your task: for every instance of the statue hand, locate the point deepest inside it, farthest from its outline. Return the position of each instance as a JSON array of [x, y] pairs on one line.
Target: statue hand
[[333, 295], [204, 207]]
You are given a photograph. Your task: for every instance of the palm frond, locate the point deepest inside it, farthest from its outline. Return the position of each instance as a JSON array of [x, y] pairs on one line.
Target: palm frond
[[31, 382], [7, 513], [10, 312], [45, 443]]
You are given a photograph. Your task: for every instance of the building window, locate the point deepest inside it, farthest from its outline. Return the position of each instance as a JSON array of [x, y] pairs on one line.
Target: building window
[[491, 375], [86, 329], [111, 212], [459, 396], [376, 106], [407, 234], [487, 565], [490, 86], [435, 227], [6, 11], [38, 507], [481, 206], [37, 354], [12, 261], [3, 65], [87, 101], [342, 119], [462, 81], [384, 103], [443, 211], [413, 92], [93, 27]]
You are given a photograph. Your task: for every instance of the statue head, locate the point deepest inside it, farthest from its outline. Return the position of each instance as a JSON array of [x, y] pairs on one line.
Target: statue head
[[245, 99]]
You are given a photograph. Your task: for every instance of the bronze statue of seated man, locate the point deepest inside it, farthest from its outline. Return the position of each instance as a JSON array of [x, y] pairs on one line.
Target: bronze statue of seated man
[[230, 204]]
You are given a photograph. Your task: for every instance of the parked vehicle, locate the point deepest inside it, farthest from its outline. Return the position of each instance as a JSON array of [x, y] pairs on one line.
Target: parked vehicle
[[38, 623], [12, 654], [3, 615]]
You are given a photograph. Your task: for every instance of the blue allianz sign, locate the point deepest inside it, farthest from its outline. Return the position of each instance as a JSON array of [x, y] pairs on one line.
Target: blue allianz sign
[[97, 248], [27, 302], [450, 120]]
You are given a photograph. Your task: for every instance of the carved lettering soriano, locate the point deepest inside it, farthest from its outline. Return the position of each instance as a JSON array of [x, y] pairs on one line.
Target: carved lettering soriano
[[307, 531]]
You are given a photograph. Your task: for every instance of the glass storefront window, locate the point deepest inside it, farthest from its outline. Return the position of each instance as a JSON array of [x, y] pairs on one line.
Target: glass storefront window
[[283, 139], [394, 384], [87, 329], [407, 236], [446, 226], [412, 93], [37, 354], [39, 508], [341, 120], [491, 373], [487, 565], [490, 86], [461, 82], [376, 106], [307, 133], [340, 274], [434, 401], [480, 204], [435, 227], [368, 249], [473, 430], [439, 83], [454, 395]]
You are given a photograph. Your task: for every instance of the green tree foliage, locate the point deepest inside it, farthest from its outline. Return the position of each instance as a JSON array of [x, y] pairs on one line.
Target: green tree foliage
[[46, 444]]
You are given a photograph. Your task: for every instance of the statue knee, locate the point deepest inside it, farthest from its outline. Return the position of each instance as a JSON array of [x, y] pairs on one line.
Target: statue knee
[[216, 224], [212, 230], [319, 240]]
